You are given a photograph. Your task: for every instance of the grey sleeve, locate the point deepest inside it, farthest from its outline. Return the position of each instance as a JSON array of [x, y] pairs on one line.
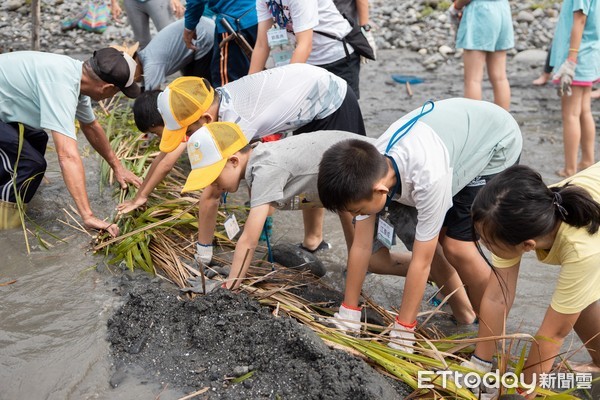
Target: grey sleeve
[[154, 75], [205, 36], [84, 112]]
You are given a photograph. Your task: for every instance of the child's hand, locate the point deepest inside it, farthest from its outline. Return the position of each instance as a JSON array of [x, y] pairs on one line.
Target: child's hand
[[566, 73], [130, 205]]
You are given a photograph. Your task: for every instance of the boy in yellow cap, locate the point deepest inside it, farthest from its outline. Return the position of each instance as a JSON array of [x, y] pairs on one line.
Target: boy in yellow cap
[[281, 174], [296, 97]]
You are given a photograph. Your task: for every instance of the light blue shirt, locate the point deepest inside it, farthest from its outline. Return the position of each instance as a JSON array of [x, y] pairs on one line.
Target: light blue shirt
[[166, 53], [41, 90], [588, 57]]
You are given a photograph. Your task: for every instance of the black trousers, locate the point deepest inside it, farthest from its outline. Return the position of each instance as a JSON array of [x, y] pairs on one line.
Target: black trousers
[[26, 172]]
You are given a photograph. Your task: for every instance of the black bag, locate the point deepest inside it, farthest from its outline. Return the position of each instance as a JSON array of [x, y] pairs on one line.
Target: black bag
[[356, 39]]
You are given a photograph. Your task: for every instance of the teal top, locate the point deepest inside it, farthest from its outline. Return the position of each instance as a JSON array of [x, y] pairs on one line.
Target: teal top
[[41, 90], [588, 57]]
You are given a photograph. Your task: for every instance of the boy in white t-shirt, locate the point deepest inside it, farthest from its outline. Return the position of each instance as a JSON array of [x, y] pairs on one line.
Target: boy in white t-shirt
[[281, 175], [313, 29], [434, 159], [296, 97]]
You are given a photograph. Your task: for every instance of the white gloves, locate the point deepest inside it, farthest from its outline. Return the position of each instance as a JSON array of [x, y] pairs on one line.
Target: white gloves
[[454, 16], [482, 366], [566, 73], [403, 336], [477, 364], [204, 253], [347, 319], [371, 39]]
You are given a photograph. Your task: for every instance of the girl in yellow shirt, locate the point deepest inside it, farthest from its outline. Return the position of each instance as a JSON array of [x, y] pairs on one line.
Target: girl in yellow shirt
[[515, 213]]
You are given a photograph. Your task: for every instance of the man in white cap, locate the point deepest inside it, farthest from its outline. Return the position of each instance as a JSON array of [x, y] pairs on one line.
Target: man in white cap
[[43, 91]]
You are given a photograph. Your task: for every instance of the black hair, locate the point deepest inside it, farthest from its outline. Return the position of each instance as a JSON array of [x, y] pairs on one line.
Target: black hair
[[145, 111], [516, 205], [347, 173]]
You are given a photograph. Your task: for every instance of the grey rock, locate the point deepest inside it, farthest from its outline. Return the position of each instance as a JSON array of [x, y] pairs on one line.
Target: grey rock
[[13, 5], [533, 57], [525, 16]]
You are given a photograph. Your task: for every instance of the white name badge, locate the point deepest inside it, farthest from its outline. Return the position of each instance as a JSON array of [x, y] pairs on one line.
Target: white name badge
[[385, 233], [277, 36], [281, 57], [231, 227]]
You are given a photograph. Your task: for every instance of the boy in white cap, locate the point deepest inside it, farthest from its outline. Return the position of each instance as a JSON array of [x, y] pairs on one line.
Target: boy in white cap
[[43, 91], [280, 174], [297, 97]]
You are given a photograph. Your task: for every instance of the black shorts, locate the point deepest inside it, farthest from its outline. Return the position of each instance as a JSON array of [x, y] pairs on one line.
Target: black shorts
[[458, 222], [347, 117]]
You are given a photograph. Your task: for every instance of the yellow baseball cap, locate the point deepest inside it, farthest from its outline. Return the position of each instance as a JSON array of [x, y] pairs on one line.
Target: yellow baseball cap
[[208, 150], [181, 104]]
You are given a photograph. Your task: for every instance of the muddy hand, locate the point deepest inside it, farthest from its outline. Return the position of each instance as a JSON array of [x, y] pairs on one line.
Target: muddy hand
[[565, 74], [98, 224]]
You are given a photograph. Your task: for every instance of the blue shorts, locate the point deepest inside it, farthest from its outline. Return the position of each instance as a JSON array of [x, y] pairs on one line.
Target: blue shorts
[[486, 25]]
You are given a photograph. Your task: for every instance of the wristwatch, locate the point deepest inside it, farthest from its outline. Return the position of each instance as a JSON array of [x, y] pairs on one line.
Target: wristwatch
[[366, 27]]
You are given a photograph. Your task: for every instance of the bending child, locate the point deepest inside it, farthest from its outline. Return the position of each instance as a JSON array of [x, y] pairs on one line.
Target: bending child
[[575, 56], [297, 97], [517, 213], [436, 159], [281, 174]]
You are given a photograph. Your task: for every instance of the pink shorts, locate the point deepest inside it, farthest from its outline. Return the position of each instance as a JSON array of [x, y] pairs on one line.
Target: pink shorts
[[577, 83]]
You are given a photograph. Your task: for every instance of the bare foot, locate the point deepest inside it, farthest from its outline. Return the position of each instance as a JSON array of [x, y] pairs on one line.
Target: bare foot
[[595, 94], [543, 79], [564, 173], [581, 166]]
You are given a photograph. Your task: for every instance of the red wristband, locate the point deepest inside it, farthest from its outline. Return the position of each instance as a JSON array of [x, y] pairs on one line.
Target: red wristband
[[409, 326], [351, 308], [521, 391]]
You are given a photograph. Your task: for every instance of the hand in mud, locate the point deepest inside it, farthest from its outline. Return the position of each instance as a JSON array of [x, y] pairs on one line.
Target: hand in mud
[[130, 205], [217, 270], [95, 223], [125, 176], [196, 285]]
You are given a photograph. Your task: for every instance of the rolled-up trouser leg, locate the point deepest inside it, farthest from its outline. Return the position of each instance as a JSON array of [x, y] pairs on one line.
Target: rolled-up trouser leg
[[28, 172]]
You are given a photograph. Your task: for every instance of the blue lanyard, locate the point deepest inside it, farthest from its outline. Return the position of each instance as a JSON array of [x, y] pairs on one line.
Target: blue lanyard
[[224, 200], [277, 12], [396, 136], [404, 129], [397, 186]]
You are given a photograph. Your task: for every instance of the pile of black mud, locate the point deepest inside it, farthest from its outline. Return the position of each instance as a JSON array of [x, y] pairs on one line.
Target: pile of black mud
[[208, 341]]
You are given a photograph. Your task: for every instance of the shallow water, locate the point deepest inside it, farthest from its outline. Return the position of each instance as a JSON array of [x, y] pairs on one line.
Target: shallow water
[[53, 329]]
